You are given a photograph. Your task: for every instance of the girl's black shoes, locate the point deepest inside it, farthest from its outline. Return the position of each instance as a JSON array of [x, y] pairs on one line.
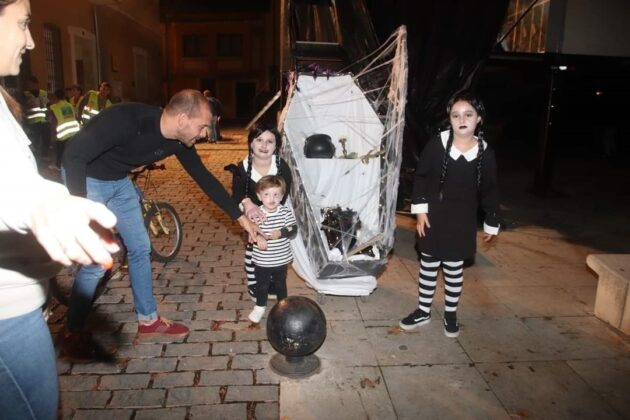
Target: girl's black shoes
[[451, 326], [415, 319]]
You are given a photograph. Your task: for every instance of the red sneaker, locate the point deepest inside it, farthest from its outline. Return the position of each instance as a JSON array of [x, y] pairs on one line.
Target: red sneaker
[[163, 326]]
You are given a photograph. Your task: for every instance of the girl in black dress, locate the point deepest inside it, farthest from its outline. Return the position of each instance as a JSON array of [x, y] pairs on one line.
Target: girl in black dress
[[456, 173], [264, 143]]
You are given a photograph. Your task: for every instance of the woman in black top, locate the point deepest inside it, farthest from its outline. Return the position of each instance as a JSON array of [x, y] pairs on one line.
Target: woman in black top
[[264, 143], [456, 173]]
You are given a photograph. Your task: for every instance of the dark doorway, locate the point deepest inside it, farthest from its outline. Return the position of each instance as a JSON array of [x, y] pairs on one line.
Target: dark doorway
[[78, 65], [245, 93]]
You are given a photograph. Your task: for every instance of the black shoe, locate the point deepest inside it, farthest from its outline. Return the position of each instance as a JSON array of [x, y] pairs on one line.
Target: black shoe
[[80, 347], [415, 319], [451, 326]]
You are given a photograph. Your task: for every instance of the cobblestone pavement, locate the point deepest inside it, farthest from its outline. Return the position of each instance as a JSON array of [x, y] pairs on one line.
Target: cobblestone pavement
[[219, 370]]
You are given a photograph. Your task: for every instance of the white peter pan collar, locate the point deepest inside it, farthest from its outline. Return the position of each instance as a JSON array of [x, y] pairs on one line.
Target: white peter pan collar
[[455, 153], [255, 175]]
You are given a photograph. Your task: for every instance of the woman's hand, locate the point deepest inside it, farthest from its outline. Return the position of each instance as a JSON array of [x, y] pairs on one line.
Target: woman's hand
[[75, 230], [253, 212], [251, 228], [261, 242], [274, 234], [422, 222]]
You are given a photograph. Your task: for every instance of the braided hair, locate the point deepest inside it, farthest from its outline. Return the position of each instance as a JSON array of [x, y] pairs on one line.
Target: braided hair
[[469, 97], [479, 158], [447, 151], [254, 133]]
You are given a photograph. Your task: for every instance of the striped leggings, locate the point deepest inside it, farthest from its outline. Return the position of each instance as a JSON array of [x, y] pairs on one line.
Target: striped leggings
[[249, 269], [453, 282]]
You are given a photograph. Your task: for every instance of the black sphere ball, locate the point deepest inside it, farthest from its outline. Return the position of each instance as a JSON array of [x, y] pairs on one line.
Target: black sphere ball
[[319, 146], [296, 326]]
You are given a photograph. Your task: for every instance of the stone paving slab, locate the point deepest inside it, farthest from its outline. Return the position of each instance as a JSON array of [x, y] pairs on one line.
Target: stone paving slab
[[579, 337], [530, 301], [545, 390], [452, 391], [610, 378], [337, 393], [428, 345], [505, 340], [347, 344]]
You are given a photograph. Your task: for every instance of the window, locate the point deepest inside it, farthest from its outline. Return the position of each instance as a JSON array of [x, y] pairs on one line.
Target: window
[[527, 25], [230, 45], [315, 21], [52, 47], [195, 45]]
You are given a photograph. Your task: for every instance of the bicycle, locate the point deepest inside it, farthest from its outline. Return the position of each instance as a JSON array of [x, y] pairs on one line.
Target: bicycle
[[163, 226], [160, 219]]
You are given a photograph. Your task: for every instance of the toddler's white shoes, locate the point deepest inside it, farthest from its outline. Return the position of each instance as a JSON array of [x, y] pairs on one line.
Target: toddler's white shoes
[[257, 314]]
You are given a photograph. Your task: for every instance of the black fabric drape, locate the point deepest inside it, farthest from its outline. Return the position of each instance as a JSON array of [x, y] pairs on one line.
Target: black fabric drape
[[448, 42]]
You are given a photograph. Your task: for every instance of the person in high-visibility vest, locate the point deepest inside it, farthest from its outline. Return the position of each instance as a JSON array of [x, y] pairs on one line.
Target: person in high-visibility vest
[[94, 102], [35, 101], [75, 94], [63, 123]]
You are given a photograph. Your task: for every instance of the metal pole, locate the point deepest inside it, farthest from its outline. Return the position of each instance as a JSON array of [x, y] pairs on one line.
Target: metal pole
[[544, 164], [98, 48]]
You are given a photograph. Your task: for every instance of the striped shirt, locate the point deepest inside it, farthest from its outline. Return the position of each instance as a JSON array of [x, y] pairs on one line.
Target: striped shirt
[[278, 250]]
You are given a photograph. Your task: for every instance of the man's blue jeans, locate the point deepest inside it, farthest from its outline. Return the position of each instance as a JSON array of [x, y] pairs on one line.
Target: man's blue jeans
[[121, 198], [28, 371]]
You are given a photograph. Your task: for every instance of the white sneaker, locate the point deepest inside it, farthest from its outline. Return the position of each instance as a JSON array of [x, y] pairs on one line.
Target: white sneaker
[[257, 314]]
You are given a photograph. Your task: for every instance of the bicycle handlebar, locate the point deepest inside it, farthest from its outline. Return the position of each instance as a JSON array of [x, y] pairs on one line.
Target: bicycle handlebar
[[149, 167], [153, 167]]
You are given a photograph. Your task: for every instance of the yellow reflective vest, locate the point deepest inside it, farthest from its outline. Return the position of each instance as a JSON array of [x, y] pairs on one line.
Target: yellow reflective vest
[[36, 107], [91, 108], [67, 124]]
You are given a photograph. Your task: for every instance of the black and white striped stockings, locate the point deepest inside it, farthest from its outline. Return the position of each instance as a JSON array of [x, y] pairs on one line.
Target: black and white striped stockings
[[453, 282]]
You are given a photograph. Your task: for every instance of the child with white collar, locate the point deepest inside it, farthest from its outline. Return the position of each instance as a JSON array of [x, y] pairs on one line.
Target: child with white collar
[[455, 174]]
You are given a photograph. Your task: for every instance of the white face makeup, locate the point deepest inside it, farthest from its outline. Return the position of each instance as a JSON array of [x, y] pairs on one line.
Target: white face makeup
[[464, 119], [264, 146], [16, 36]]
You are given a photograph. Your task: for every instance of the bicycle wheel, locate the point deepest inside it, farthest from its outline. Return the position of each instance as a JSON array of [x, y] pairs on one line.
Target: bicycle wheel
[[165, 231]]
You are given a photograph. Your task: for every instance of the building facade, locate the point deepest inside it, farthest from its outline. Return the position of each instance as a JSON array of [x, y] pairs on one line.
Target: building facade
[[229, 48], [85, 42]]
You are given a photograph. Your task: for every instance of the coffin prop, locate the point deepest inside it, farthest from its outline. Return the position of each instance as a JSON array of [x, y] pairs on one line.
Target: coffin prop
[[343, 142]]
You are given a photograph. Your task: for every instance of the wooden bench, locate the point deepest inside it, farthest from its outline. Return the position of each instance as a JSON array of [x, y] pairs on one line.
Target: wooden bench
[[612, 301]]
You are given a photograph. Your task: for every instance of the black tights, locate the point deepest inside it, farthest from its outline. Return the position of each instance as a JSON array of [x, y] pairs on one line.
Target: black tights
[[265, 276]]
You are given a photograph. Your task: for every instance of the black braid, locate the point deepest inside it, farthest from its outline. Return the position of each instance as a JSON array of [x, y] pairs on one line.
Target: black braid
[[479, 159], [249, 173], [445, 160], [278, 166]]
